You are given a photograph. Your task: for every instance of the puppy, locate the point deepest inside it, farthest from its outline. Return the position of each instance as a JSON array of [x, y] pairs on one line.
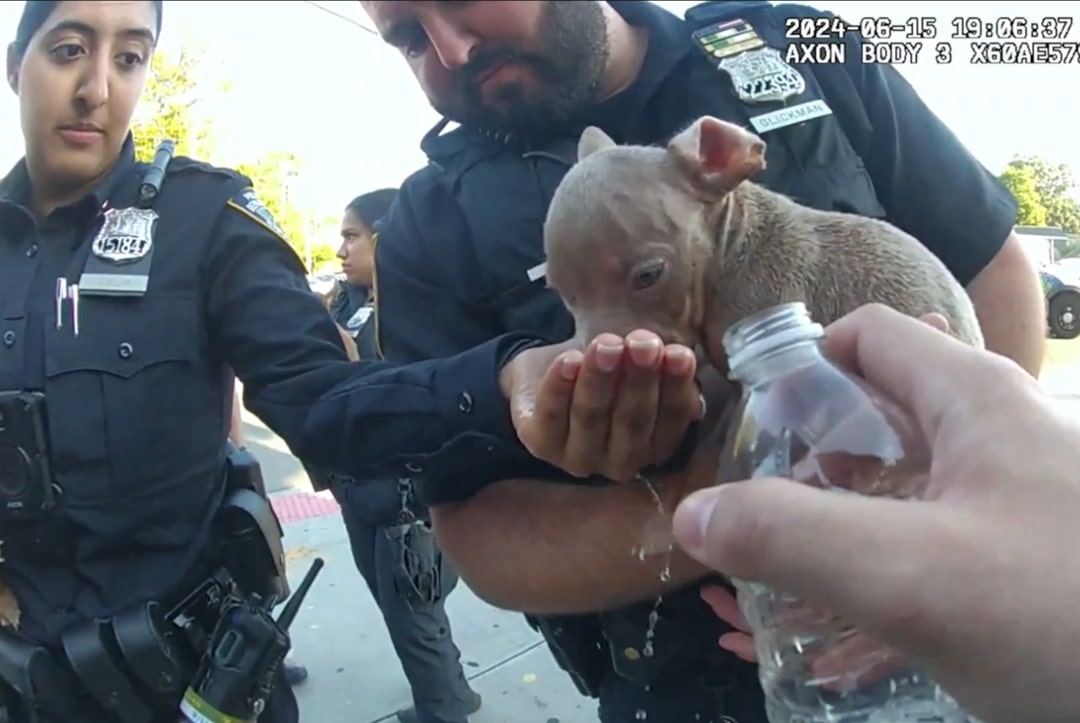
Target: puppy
[[677, 240]]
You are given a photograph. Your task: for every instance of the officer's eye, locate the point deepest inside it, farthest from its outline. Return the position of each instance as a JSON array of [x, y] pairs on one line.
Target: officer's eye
[[414, 42], [647, 274], [67, 51], [130, 59]]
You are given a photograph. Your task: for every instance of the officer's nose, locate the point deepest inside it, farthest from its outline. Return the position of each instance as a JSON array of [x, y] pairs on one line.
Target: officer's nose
[[452, 43], [93, 90], [343, 251]]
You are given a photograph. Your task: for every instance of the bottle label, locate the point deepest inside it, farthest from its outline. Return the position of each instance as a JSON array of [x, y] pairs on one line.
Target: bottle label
[[198, 710]]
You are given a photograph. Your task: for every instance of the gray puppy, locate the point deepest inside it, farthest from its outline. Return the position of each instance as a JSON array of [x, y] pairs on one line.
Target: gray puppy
[[679, 242]]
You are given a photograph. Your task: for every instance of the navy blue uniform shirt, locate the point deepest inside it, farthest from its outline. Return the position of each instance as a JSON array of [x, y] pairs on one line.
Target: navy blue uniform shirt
[[138, 402], [460, 257], [462, 254]]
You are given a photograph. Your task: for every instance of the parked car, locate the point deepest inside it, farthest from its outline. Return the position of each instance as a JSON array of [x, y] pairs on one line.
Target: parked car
[[1061, 285], [322, 283]]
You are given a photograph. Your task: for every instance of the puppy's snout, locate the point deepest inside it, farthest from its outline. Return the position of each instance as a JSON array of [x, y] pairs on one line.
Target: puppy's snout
[[625, 325]]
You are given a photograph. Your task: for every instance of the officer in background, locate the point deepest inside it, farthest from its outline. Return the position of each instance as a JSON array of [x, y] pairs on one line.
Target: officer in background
[[389, 532], [461, 261], [129, 292], [351, 303]]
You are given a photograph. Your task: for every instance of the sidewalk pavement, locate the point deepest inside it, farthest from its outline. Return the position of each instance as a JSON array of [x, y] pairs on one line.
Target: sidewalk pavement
[[339, 634]]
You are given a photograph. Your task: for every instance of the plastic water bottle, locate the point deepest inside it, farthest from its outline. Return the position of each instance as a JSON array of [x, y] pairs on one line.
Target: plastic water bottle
[[805, 419]]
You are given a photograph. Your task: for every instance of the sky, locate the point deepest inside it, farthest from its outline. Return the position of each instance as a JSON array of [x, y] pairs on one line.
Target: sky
[[305, 77]]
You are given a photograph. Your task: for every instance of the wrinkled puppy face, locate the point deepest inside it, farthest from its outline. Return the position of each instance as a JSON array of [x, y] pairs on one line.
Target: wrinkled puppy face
[[619, 240], [630, 230]]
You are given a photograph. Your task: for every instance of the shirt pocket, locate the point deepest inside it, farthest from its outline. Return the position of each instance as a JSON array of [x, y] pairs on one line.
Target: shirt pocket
[[121, 396]]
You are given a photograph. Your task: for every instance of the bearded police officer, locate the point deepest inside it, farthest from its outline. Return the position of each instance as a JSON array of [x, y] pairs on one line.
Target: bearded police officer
[[461, 262]]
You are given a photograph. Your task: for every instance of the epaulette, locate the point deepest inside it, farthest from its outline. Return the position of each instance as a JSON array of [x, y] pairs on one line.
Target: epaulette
[[183, 164], [714, 12]]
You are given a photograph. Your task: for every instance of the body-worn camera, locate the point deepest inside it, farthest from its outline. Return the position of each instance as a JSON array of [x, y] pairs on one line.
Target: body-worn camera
[[26, 486]]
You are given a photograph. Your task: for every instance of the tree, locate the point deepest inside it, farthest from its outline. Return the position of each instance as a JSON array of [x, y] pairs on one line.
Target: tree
[[168, 108], [273, 176], [1052, 186], [1021, 182]]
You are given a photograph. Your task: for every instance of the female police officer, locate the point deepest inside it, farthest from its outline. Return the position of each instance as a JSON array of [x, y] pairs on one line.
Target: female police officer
[[121, 328], [381, 516]]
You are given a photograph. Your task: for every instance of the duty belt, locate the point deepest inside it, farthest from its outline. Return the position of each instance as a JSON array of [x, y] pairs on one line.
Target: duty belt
[[133, 665]]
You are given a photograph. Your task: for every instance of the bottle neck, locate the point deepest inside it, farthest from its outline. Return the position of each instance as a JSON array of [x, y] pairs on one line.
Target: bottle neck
[[772, 342], [777, 363]]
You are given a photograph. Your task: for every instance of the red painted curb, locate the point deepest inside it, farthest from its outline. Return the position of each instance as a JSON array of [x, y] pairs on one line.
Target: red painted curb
[[299, 506]]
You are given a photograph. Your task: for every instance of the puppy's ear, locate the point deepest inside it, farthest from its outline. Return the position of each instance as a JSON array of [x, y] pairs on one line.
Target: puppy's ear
[[592, 140], [716, 155]]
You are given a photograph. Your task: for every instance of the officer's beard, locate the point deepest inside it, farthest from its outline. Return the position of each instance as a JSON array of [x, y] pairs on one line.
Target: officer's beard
[[569, 70]]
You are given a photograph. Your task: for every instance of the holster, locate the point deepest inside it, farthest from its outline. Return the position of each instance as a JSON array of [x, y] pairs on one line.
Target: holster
[[683, 643], [669, 657], [44, 687], [418, 577], [247, 531], [578, 646], [134, 664]]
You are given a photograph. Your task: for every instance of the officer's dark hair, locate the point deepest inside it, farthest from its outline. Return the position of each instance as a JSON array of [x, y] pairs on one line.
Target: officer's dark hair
[[36, 12], [372, 206]]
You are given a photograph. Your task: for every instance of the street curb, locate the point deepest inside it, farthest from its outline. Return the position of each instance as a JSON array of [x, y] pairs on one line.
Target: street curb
[[298, 506]]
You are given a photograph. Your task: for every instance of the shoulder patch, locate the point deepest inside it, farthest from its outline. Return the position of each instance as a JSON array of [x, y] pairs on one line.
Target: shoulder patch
[[249, 204]]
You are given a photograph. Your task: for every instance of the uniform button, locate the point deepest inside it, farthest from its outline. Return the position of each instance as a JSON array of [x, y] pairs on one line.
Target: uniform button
[[465, 403], [631, 654], [9, 338], [32, 251], [125, 351]]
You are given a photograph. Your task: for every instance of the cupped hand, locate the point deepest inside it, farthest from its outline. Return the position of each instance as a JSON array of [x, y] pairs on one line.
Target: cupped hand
[[612, 409]]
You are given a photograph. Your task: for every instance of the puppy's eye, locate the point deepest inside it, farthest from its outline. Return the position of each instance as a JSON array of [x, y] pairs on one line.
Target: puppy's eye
[[647, 275]]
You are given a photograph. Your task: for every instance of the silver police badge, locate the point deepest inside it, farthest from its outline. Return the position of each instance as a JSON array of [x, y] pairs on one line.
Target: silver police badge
[[126, 236], [762, 76]]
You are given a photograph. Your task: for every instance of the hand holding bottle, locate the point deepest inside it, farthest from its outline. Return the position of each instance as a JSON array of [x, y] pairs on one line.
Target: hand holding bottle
[[977, 581]]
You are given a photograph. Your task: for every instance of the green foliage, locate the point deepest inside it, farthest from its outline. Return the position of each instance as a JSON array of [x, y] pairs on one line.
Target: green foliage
[[323, 256], [273, 176], [169, 109], [1043, 191], [1022, 184]]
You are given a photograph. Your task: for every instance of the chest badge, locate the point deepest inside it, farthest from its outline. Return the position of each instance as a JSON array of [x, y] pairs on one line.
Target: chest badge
[[126, 236], [759, 73], [762, 76]]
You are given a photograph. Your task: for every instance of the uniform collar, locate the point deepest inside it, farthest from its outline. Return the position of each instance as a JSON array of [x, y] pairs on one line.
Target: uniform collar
[[669, 42], [15, 187]]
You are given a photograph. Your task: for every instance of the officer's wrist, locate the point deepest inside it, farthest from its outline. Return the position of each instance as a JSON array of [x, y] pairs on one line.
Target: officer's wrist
[[508, 349], [678, 461]]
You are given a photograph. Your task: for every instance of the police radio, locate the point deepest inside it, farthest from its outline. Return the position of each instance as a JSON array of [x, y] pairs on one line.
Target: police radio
[[236, 674], [26, 486]]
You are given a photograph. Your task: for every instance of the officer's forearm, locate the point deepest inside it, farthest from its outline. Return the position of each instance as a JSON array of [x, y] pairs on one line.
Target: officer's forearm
[[1011, 308], [550, 548], [236, 421]]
